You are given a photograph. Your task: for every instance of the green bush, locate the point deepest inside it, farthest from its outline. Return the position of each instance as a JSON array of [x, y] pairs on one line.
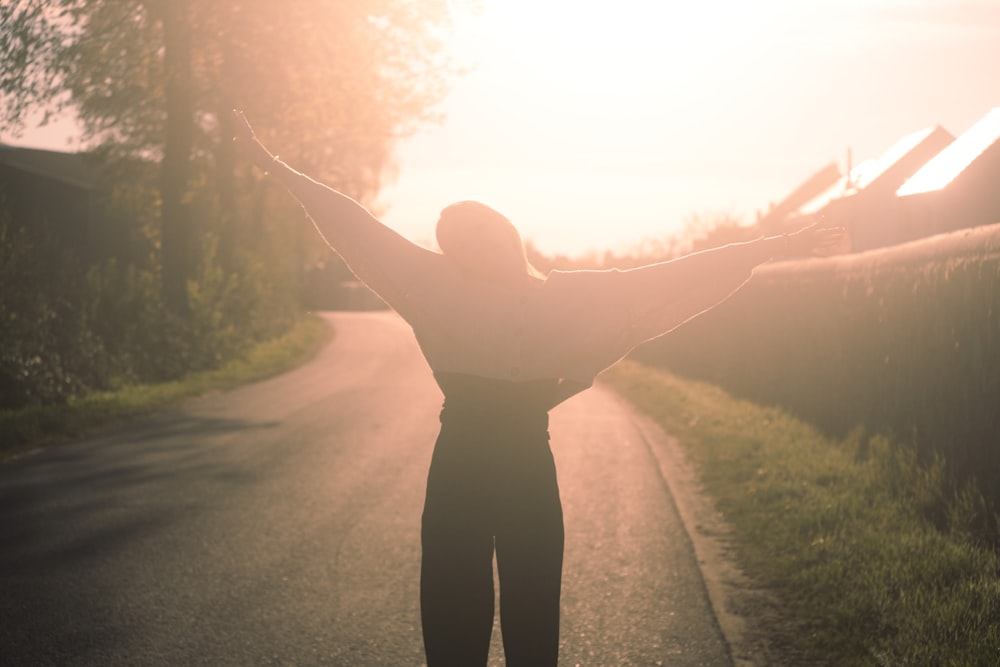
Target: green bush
[[38, 323], [66, 329]]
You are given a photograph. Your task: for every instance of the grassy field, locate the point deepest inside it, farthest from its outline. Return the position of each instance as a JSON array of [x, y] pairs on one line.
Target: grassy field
[[27, 429], [836, 530]]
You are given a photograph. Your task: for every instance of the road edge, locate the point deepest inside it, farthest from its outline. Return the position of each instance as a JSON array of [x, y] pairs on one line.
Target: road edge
[[708, 532]]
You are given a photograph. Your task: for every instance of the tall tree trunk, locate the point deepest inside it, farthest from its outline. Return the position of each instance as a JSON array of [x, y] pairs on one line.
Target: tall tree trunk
[[176, 227], [226, 166]]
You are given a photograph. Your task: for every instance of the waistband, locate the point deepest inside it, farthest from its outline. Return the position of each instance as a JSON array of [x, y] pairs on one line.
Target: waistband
[[481, 402]]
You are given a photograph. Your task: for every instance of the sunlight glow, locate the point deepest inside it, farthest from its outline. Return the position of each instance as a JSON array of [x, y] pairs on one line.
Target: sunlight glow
[[603, 52], [596, 125]]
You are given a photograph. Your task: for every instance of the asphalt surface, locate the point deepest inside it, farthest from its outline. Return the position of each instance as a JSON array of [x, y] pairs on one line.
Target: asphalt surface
[[278, 524]]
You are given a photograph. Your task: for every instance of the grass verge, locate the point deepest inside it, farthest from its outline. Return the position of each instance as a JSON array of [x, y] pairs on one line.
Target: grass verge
[[836, 530], [30, 428]]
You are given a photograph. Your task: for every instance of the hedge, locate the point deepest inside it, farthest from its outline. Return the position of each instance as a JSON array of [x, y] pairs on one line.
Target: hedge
[[903, 341]]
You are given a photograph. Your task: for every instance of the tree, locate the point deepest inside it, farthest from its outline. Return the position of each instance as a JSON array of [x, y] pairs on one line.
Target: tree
[[335, 83]]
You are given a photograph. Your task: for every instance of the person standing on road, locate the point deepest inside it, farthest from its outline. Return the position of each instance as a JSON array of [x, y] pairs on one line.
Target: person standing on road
[[506, 345]]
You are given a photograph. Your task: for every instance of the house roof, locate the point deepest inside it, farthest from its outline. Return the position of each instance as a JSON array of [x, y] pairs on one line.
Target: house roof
[[956, 158], [903, 148], [812, 187], [913, 148], [70, 168], [843, 186]]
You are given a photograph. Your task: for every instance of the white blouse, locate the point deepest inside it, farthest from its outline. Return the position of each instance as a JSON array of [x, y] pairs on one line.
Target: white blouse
[[569, 326]]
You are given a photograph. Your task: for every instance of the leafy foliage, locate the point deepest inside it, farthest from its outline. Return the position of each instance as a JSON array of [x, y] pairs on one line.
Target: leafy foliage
[[203, 257], [335, 84]]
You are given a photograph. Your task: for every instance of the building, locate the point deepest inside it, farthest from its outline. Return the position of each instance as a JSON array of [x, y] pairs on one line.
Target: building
[[777, 218], [959, 188], [864, 201], [77, 204], [51, 195]]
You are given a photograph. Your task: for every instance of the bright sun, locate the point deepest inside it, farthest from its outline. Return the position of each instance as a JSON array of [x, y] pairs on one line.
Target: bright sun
[[611, 48], [586, 122]]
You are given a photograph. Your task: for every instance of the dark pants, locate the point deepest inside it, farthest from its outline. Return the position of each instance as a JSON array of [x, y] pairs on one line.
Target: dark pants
[[492, 484]]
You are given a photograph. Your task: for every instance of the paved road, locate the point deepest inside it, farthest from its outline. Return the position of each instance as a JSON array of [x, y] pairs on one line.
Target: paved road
[[278, 524]]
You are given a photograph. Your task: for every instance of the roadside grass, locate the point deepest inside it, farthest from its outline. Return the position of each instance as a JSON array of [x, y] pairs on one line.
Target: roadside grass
[[836, 530], [23, 430]]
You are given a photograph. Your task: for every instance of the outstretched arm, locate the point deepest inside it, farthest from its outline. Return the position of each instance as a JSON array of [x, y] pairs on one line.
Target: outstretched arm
[[379, 257], [335, 214], [716, 268], [665, 295]]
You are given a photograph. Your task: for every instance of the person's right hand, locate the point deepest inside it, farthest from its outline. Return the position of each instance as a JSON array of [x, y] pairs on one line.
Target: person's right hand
[[243, 132], [246, 141]]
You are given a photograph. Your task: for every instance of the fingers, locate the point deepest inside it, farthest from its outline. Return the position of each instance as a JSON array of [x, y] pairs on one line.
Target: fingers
[[814, 241], [830, 235], [243, 130], [825, 239]]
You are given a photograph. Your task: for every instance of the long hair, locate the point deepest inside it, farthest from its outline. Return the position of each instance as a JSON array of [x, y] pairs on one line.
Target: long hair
[[484, 242]]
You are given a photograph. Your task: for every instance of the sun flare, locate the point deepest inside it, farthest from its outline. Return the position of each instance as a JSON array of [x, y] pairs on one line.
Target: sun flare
[[627, 47], [598, 123]]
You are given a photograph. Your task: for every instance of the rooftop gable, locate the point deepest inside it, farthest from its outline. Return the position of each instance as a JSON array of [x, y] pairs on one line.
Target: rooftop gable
[[911, 148], [70, 168], [899, 151], [845, 185], [956, 158]]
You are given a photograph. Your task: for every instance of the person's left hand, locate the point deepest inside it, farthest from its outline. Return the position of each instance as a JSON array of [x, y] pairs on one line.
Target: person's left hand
[[814, 241]]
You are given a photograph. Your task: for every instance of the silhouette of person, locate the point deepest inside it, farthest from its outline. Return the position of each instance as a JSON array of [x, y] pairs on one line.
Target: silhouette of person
[[506, 345]]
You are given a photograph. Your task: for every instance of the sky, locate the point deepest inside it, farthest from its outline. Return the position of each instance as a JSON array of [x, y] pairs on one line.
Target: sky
[[597, 125]]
